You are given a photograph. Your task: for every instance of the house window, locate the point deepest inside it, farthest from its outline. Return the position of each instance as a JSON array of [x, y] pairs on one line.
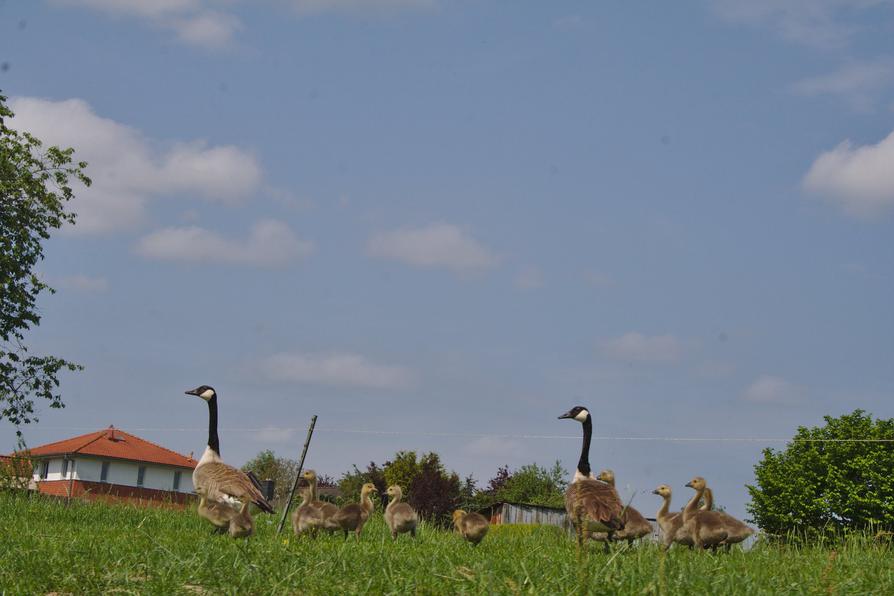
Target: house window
[[141, 475], [44, 469], [64, 468], [104, 473], [177, 480]]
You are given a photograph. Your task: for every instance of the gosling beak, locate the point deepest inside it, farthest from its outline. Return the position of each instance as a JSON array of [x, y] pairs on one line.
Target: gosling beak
[[688, 485], [567, 414], [655, 492]]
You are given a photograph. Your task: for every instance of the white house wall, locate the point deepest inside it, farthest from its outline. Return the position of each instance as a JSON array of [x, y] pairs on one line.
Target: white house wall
[[120, 472]]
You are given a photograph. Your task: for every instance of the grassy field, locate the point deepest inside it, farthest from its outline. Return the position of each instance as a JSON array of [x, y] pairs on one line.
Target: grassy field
[[48, 547]]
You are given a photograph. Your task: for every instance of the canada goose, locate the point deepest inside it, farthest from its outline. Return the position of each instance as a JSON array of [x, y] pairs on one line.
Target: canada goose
[[217, 482], [671, 523], [635, 524], [313, 515], [242, 524], [472, 526], [353, 516], [592, 505], [400, 517], [736, 530], [707, 528]]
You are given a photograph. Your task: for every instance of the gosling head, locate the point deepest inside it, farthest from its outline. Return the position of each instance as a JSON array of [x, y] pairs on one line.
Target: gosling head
[[663, 490], [394, 491], [368, 489], [309, 475], [206, 392], [579, 413], [606, 476], [458, 515], [698, 483]]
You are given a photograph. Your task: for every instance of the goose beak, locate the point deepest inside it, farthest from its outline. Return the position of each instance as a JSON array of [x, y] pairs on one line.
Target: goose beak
[[688, 485], [655, 492], [567, 414], [192, 392]]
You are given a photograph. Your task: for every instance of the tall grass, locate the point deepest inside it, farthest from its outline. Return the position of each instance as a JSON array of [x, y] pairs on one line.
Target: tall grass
[[48, 546]]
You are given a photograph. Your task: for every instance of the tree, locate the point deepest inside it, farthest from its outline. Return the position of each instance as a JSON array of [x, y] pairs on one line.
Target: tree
[[282, 470], [35, 187], [434, 493], [350, 482], [402, 469], [531, 484], [828, 478]]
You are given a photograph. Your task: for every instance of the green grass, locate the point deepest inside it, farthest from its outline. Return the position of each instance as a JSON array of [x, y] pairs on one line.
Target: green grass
[[47, 546]]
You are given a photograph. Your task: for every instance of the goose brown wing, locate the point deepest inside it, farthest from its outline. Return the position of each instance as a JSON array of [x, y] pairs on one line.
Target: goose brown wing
[[220, 482], [597, 501]]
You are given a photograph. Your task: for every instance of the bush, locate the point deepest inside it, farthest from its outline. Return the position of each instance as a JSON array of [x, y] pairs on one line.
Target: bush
[[825, 482]]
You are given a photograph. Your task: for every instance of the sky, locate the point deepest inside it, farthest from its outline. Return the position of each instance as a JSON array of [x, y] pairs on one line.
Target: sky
[[440, 224]]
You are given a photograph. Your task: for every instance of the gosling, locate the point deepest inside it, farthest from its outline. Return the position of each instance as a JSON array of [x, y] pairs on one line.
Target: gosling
[[472, 526], [352, 517], [400, 517]]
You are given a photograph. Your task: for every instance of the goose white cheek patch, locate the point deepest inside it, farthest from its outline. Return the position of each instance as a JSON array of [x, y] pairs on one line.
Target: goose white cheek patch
[[582, 415], [207, 394]]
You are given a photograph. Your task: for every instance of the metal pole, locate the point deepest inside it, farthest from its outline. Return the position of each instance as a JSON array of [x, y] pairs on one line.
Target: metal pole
[[285, 510]]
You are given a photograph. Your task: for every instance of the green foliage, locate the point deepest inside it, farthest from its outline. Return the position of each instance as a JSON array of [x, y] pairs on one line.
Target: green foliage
[[531, 484], [818, 485], [351, 482], [282, 470], [93, 548], [35, 186], [402, 469], [434, 493]]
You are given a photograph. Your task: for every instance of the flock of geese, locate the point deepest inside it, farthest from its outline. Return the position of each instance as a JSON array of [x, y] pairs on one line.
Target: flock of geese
[[592, 503]]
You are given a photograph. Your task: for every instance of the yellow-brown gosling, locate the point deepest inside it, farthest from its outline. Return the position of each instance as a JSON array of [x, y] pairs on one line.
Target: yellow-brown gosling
[[399, 516], [352, 517], [313, 515], [592, 505], [706, 528], [635, 524], [472, 526], [216, 482], [670, 523]]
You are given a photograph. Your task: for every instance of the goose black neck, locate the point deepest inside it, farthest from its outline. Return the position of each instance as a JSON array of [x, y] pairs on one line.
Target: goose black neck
[[213, 441], [583, 465]]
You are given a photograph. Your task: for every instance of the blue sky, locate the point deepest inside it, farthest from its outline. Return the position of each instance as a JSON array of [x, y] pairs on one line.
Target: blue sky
[[430, 217]]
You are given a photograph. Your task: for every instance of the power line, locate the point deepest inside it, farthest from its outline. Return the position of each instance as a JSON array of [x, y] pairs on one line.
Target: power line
[[668, 439]]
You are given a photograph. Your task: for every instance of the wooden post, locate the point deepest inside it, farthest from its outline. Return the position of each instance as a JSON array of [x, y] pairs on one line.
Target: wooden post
[[285, 510]]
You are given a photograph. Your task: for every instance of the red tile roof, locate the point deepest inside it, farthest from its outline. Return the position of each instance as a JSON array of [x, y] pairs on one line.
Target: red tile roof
[[116, 444]]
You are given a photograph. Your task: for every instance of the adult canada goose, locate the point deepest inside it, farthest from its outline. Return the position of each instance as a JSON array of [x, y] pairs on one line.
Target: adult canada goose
[[472, 526], [706, 528], [635, 524], [736, 530], [352, 517], [592, 505], [399, 516], [313, 514], [671, 523], [217, 482]]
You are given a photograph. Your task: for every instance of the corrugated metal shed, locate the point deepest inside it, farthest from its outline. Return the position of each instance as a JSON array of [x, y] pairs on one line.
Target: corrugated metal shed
[[523, 513]]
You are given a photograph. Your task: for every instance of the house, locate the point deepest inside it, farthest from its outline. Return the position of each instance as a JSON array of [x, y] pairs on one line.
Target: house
[[113, 465]]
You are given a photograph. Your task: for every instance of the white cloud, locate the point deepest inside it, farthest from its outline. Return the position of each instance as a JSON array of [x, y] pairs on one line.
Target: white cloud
[[815, 23], [358, 6], [83, 283], [768, 389], [339, 369], [437, 245], [126, 169], [191, 20], [271, 243], [857, 84], [644, 348], [494, 447], [529, 278], [859, 179]]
